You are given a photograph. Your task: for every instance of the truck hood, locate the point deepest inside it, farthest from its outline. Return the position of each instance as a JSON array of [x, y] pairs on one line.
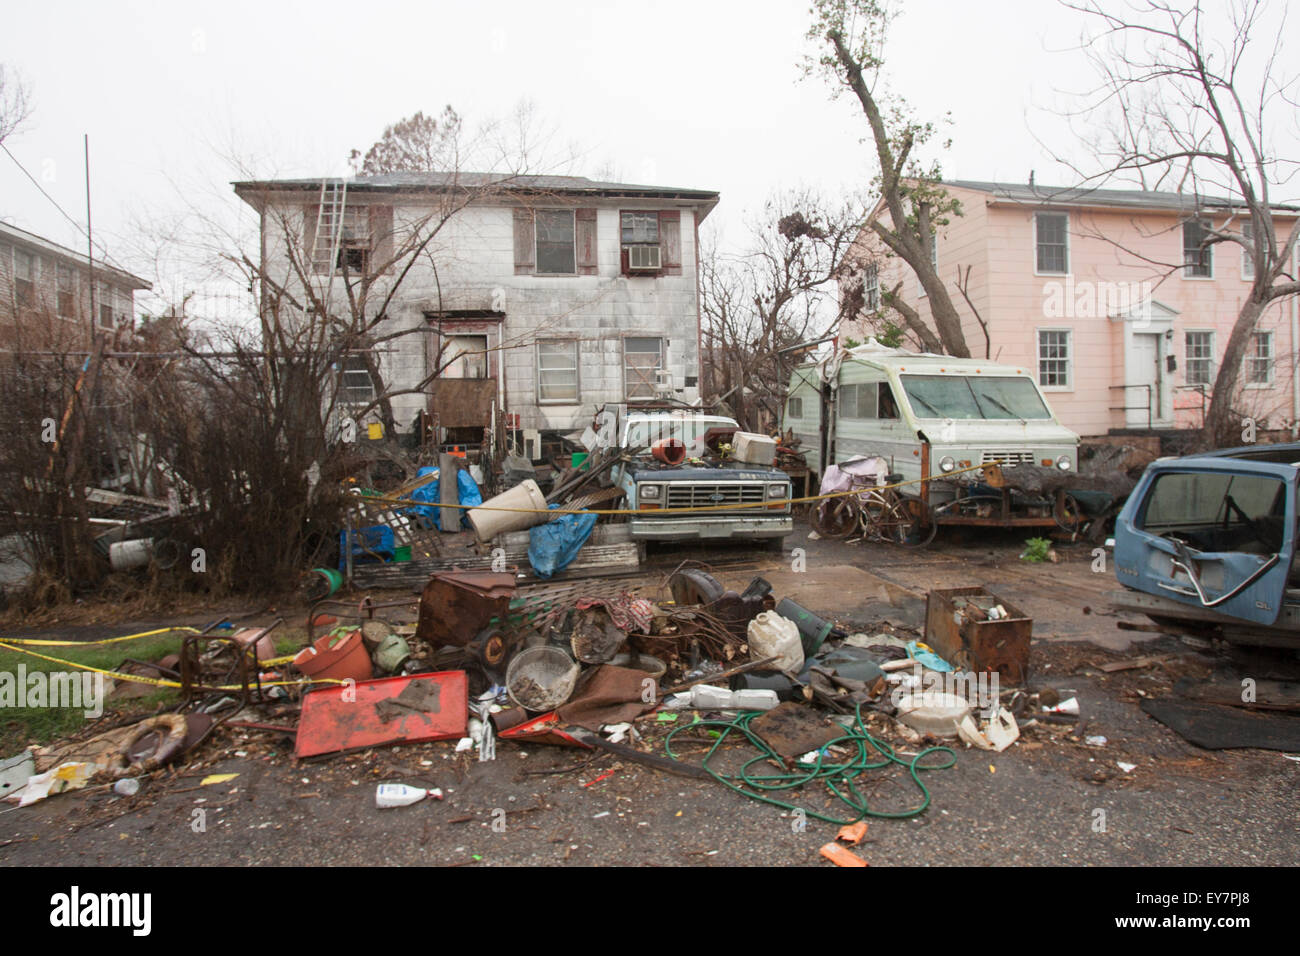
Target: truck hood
[[645, 473]]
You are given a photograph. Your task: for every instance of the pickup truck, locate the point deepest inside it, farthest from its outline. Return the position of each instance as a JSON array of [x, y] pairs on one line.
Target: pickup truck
[[706, 479]]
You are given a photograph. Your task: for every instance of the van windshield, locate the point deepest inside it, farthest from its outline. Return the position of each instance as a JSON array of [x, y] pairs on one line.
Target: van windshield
[[992, 398]]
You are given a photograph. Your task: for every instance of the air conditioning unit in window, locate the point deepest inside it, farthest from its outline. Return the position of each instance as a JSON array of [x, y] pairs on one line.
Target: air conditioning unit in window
[[643, 258]]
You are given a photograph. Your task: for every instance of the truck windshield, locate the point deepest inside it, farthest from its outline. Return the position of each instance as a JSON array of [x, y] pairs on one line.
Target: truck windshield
[[954, 396], [691, 431]]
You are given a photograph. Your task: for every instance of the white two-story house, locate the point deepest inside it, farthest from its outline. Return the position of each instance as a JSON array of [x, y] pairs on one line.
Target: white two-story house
[[544, 296]]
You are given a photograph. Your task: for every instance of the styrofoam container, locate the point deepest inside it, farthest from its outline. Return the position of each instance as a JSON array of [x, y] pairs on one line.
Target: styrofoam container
[[932, 712], [753, 448]]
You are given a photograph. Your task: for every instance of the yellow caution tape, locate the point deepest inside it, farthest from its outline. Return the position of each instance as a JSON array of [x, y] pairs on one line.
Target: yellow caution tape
[[39, 642], [158, 681]]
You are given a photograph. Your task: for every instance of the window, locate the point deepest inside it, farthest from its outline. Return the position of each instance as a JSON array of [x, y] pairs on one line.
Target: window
[[107, 299], [640, 227], [999, 398], [1054, 358], [1198, 258], [1200, 357], [1259, 359], [1248, 255], [867, 400], [356, 387], [556, 250], [353, 233], [557, 372], [794, 407], [67, 299], [639, 237], [642, 359], [1215, 511], [24, 278], [1052, 237], [871, 287]]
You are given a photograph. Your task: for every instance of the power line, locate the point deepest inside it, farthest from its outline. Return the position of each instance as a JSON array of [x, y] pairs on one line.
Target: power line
[[76, 225]]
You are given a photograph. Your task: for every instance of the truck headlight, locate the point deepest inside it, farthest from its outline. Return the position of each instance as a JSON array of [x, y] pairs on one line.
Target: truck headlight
[[946, 463], [778, 491], [649, 492], [1063, 463]]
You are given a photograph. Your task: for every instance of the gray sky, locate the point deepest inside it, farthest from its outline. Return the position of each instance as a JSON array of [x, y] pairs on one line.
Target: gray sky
[[694, 94]]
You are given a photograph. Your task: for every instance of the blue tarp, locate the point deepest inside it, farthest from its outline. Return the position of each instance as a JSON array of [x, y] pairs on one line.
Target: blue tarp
[[553, 546], [467, 493]]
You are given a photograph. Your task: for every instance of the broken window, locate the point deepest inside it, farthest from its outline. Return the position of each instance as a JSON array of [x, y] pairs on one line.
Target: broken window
[[642, 360], [1214, 511], [351, 232], [556, 249], [557, 371]]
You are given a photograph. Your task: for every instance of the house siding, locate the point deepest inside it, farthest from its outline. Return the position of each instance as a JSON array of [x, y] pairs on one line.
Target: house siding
[[475, 261], [1111, 252]]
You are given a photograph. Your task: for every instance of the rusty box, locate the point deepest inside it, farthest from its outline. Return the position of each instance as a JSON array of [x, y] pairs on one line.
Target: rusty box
[[959, 630]]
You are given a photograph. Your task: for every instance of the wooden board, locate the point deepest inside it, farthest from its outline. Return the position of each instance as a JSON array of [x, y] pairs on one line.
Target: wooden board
[[462, 402]]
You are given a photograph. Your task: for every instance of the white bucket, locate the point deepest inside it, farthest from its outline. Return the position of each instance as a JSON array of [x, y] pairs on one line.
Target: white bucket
[[136, 553], [488, 524]]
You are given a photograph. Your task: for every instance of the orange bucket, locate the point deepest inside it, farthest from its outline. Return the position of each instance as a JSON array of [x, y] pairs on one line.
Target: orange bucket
[[338, 655]]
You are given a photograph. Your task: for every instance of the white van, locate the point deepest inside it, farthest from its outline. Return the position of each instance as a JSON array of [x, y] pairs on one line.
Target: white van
[[927, 415]]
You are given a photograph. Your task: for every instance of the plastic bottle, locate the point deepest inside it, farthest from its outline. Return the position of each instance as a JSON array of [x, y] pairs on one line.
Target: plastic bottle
[[401, 795]]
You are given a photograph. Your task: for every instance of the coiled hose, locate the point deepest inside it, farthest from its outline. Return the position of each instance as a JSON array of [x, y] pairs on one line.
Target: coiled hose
[[838, 777]]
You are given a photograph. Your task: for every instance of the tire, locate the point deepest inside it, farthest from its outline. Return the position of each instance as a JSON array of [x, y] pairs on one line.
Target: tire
[[835, 517], [918, 528]]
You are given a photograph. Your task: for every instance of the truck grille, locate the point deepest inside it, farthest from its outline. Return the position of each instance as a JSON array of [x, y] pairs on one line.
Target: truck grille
[[1007, 457], [714, 494]]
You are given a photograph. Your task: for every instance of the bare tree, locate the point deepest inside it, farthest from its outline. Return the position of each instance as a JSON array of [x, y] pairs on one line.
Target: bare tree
[[15, 102], [912, 202], [773, 296], [1194, 99]]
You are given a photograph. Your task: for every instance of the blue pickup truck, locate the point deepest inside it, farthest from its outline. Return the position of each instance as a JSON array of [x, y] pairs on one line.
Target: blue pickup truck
[[1210, 540], [703, 498]]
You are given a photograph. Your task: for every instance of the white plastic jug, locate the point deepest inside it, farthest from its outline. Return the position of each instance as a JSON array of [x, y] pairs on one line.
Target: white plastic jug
[[771, 635], [401, 795]]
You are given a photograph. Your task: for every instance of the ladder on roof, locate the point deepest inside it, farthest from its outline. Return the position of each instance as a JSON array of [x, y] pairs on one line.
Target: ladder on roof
[[328, 238]]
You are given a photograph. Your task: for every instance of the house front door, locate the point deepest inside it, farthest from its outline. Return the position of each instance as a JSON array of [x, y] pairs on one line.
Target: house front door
[[1147, 384]]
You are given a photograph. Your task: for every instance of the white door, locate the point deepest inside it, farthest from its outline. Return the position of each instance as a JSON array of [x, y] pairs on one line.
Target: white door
[[1145, 395]]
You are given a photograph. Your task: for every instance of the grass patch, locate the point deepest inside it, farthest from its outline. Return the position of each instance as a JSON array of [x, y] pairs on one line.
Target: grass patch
[[21, 727]]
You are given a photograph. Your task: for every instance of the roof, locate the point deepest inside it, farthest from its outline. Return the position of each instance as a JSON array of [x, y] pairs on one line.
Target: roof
[[1024, 194], [23, 237], [924, 361], [520, 185]]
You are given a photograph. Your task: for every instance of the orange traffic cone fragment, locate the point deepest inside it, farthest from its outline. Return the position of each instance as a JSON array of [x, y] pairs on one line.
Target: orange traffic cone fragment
[[841, 856], [853, 832]]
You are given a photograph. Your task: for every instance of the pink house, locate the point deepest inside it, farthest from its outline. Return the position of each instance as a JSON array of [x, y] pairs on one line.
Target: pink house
[[1108, 296]]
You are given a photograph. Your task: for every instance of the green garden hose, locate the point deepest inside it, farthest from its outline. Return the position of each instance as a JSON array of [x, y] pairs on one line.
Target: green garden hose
[[838, 777]]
